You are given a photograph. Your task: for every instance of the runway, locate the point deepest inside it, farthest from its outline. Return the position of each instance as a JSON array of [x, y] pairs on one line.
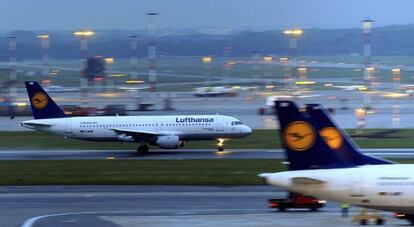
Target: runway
[[156, 206], [180, 154]]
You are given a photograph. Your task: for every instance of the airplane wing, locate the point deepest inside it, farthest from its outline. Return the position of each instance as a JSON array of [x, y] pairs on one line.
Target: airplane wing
[[135, 133], [306, 180], [37, 124]]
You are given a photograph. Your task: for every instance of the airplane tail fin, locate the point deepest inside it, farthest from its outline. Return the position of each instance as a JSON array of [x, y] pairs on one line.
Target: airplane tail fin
[[42, 105], [305, 149], [337, 139]]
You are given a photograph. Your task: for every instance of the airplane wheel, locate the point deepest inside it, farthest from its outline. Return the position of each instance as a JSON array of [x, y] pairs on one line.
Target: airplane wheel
[[143, 150], [380, 221], [220, 149], [363, 222]]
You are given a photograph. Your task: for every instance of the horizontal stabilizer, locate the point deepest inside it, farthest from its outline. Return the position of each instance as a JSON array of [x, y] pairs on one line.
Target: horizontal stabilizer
[[264, 175], [306, 180]]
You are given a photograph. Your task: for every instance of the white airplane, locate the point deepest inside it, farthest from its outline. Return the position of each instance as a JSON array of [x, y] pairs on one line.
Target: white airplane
[[165, 131], [324, 163], [214, 91], [352, 87]]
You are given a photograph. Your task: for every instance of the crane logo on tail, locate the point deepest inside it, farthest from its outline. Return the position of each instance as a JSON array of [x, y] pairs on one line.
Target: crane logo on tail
[[39, 100], [332, 137], [299, 136]]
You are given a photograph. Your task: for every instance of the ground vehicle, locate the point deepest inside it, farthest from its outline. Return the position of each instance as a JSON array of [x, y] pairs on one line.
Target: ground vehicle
[[403, 216], [295, 200], [364, 217]]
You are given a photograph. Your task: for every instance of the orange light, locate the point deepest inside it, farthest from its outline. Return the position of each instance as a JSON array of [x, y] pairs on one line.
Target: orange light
[[283, 59], [43, 36], [268, 59], [302, 69], [207, 59], [370, 69], [293, 32], [396, 71], [360, 112], [134, 81], [109, 61], [85, 33]]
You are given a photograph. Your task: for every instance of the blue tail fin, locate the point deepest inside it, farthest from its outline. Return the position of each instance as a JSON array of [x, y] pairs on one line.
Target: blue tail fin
[[337, 139], [304, 148], [42, 105]]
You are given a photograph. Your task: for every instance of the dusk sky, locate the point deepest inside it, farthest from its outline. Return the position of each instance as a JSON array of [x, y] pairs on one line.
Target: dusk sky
[[178, 14]]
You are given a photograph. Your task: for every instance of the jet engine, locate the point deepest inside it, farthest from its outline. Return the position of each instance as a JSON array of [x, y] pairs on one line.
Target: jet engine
[[168, 142]]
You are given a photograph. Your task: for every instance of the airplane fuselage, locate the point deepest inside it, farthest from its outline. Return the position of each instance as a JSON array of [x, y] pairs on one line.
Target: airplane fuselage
[[186, 127], [384, 187]]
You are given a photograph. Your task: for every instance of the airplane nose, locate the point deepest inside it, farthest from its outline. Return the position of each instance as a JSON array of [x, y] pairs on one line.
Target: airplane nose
[[246, 130]]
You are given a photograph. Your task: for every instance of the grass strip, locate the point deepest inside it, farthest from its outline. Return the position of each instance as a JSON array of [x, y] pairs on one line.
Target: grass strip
[[139, 172], [136, 172]]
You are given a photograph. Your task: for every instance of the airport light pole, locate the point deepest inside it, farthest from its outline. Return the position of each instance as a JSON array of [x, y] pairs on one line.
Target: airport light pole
[[207, 60], [228, 62], [45, 42], [110, 83], [13, 71], [293, 35], [133, 46], [367, 25], [269, 77], [256, 66], [83, 36], [284, 61], [396, 78], [152, 61]]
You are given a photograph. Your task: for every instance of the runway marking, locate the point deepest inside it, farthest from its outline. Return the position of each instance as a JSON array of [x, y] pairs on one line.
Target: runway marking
[[31, 221]]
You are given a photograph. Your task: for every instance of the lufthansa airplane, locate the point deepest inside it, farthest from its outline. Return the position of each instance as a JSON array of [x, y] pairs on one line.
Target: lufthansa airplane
[[167, 132], [323, 162]]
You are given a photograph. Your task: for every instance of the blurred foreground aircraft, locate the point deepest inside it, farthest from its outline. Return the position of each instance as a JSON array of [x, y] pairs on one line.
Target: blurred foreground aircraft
[[323, 162]]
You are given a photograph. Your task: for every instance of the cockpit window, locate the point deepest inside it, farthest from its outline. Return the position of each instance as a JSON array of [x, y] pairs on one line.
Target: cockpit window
[[236, 123]]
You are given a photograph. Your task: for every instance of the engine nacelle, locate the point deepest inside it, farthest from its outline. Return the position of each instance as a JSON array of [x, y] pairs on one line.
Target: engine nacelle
[[125, 138], [168, 142]]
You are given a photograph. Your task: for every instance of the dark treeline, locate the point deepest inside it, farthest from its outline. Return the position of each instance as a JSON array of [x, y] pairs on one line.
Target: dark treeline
[[391, 40]]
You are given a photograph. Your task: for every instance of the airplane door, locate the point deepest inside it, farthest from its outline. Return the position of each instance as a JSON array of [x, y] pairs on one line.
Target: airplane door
[[219, 124], [68, 128], [357, 188]]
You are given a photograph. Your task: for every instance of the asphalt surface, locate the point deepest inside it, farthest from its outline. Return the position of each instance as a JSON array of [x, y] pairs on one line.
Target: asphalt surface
[[180, 154], [156, 206]]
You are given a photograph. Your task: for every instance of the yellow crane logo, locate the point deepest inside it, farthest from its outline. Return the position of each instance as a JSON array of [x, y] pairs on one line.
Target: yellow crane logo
[[332, 137], [299, 136], [39, 100]]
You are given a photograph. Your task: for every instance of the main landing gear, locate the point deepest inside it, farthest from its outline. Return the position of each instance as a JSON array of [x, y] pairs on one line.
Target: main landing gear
[[143, 149], [220, 145]]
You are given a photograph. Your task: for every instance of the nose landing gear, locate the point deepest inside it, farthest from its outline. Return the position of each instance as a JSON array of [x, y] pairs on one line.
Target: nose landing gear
[[220, 145], [143, 149]]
